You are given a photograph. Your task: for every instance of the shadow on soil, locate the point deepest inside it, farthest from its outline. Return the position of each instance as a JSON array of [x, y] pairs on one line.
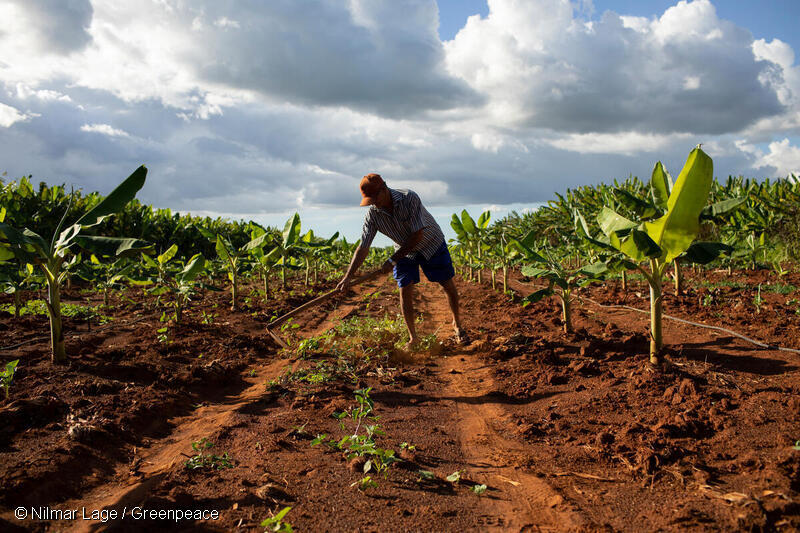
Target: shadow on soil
[[753, 364], [393, 398]]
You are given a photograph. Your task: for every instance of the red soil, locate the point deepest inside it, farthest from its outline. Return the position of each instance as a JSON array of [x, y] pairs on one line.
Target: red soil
[[568, 433]]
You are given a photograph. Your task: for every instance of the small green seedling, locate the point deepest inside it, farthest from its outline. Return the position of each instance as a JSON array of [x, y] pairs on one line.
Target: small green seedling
[[478, 489], [455, 477], [289, 324], [365, 483], [163, 335], [203, 460], [276, 523], [426, 475], [796, 445], [298, 431], [407, 446], [7, 375], [758, 300]]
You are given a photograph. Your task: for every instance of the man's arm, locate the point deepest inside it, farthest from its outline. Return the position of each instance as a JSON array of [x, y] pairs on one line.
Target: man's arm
[[408, 246], [358, 258], [361, 253]]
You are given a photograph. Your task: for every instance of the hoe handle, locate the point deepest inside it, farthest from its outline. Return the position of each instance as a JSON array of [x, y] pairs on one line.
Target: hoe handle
[[319, 299]]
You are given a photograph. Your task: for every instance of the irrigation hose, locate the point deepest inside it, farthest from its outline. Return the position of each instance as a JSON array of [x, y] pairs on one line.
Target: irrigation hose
[[706, 326]]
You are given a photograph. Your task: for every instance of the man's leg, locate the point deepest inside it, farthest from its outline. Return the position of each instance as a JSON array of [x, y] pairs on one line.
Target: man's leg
[[449, 287], [407, 305], [406, 272]]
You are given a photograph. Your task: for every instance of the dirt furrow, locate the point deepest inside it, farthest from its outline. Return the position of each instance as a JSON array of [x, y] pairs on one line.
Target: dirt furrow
[[149, 465], [523, 501], [520, 500]]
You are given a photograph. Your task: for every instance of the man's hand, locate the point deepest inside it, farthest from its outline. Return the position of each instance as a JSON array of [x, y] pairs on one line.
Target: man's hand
[[344, 284], [387, 267]]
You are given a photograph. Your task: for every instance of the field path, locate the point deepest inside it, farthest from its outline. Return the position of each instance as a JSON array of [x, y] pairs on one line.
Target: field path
[[521, 501]]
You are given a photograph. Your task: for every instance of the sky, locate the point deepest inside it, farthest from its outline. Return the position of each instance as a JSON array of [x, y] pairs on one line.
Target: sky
[[255, 110]]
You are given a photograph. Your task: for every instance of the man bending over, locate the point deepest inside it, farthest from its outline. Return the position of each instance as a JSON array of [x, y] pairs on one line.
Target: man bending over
[[419, 242]]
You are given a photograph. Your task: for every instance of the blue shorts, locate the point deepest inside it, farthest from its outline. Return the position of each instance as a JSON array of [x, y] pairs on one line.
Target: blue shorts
[[438, 268]]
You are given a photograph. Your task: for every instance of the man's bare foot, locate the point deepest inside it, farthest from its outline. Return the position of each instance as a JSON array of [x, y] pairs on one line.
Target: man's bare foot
[[412, 344], [461, 336]]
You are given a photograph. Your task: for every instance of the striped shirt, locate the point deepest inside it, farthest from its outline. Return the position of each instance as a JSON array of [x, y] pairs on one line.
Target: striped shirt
[[407, 217]]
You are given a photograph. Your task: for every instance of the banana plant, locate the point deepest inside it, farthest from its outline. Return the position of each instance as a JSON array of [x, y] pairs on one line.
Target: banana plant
[[313, 249], [663, 234], [562, 281], [177, 279], [106, 277], [503, 253], [14, 278], [264, 262], [61, 251], [472, 235], [232, 258], [289, 246], [653, 206]]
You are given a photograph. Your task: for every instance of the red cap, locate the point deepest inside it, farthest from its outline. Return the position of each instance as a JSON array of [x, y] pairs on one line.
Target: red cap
[[371, 185]]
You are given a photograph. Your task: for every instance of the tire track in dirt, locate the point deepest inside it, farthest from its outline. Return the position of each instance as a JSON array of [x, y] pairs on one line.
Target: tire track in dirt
[[132, 482], [519, 500]]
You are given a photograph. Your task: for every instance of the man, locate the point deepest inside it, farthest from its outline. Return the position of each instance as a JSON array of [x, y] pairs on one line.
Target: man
[[419, 242]]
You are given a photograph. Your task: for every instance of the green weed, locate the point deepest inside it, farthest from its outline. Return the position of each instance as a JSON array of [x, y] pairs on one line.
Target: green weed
[[77, 311], [7, 375], [781, 288], [478, 489], [207, 460], [276, 523], [758, 300], [455, 477], [360, 444], [163, 335], [365, 483], [321, 373]]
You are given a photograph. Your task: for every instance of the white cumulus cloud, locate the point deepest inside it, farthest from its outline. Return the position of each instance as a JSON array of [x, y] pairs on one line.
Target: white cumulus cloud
[[683, 72], [10, 115], [781, 155], [104, 129], [253, 106]]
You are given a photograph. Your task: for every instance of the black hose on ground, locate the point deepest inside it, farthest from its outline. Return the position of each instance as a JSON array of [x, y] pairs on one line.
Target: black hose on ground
[[706, 326]]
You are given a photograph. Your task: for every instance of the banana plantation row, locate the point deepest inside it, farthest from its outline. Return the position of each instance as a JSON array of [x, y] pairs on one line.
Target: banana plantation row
[[595, 232], [49, 236]]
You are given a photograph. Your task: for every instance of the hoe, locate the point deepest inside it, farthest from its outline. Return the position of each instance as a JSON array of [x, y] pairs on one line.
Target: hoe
[[313, 303]]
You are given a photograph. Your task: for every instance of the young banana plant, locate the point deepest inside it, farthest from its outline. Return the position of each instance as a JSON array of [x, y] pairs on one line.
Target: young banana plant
[[168, 279], [14, 278], [106, 277], [289, 246], [667, 227], [264, 262], [562, 281], [503, 253], [53, 257], [232, 259], [472, 235], [312, 249]]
